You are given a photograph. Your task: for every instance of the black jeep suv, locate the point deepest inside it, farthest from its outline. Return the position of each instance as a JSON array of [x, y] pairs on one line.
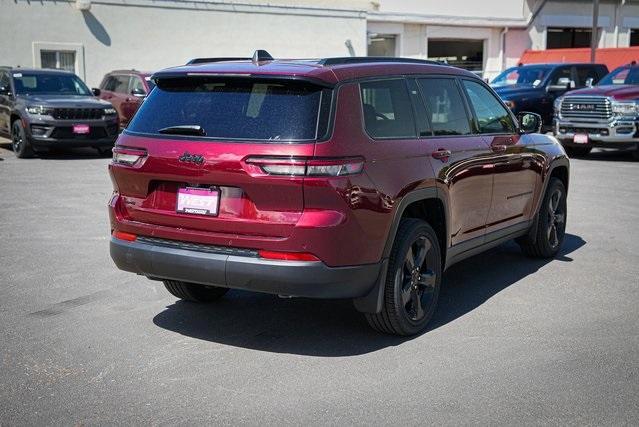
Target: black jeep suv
[[43, 109]]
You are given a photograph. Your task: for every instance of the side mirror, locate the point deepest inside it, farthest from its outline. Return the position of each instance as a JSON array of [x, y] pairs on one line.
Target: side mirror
[[5, 90], [140, 93], [96, 91], [529, 122], [590, 81], [558, 87]]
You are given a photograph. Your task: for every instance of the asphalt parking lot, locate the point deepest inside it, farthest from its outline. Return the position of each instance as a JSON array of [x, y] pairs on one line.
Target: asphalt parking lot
[[514, 341]]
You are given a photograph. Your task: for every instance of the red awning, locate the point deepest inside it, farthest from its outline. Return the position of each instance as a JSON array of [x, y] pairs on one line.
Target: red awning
[[613, 57]]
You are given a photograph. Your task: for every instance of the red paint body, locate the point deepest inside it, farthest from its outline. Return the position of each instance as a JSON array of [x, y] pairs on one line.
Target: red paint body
[[488, 182], [118, 88]]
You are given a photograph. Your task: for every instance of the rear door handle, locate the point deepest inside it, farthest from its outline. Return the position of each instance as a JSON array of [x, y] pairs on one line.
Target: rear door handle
[[441, 154]]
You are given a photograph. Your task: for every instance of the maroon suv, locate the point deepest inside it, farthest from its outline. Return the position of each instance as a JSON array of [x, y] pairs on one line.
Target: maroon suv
[[125, 90], [358, 178]]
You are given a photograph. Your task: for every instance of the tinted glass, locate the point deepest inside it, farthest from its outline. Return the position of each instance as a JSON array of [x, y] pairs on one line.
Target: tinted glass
[[137, 85], [248, 109], [445, 107], [121, 84], [4, 80], [492, 117], [387, 109], [108, 83], [32, 83], [622, 76], [586, 76], [525, 76], [561, 76]]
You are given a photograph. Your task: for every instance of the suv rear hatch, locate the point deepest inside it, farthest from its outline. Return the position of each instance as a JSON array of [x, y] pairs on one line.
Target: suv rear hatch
[[236, 145]]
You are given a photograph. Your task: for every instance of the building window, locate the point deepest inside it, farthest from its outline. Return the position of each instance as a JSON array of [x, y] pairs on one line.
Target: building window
[[382, 45], [634, 37], [61, 60], [558, 38], [467, 54]]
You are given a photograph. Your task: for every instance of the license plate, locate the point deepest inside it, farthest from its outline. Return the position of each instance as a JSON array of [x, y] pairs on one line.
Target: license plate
[[198, 201], [81, 129], [580, 138]]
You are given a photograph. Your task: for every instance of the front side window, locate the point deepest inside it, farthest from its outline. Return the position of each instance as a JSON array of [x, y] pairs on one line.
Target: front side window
[[121, 84], [387, 109], [49, 84], [492, 117], [445, 107], [233, 108]]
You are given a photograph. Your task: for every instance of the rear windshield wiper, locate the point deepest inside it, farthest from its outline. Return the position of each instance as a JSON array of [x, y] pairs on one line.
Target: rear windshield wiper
[[196, 130]]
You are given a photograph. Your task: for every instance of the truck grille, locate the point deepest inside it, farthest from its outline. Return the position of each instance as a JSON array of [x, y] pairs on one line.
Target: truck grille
[[591, 108], [78, 113]]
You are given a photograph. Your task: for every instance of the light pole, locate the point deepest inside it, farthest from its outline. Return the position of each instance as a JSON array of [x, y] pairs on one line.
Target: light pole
[[593, 36]]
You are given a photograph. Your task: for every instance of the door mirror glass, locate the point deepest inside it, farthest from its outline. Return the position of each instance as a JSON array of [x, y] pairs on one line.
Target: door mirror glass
[[138, 92], [96, 91], [529, 122]]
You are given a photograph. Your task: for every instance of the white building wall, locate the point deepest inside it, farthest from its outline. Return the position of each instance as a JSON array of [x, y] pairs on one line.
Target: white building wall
[[149, 35]]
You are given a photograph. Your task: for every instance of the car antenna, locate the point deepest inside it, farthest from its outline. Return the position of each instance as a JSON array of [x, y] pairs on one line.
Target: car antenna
[[261, 56]]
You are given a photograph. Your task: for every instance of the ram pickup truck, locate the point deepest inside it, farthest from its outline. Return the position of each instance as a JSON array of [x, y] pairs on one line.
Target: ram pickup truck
[[604, 116], [535, 87]]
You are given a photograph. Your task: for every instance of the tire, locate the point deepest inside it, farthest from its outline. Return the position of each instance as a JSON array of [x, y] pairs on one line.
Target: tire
[[551, 223], [194, 292], [577, 151], [19, 141], [411, 290]]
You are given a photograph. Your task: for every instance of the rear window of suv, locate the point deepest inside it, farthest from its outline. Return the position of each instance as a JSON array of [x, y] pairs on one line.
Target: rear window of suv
[[236, 108]]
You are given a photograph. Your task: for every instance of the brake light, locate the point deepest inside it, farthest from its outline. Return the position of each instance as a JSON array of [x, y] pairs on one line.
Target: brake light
[[122, 235], [127, 156], [287, 256], [311, 167]]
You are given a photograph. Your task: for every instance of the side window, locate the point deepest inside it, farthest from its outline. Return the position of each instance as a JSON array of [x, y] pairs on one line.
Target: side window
[[108, 83], [387, 109], [586, 76], [121, 84], [561, 76], [137, 85], [445, 107], [4, 80], [492, 117]]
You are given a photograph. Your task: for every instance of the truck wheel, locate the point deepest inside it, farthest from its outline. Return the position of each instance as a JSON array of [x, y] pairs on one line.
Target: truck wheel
[[578, 151], [193, 291], [551, 223], [412, 281], [19, 141]]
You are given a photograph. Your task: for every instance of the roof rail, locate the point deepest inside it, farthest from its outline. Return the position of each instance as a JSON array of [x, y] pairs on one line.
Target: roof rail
[[221, 59], [369, 59]]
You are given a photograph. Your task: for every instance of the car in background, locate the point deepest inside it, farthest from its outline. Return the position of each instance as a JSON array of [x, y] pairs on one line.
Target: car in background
[[604, 116], [44, 109], [534, 87], [125, 90]]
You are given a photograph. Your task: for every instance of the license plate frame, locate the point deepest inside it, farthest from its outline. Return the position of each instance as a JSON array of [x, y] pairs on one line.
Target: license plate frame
[[198, 201], [581, 138], [81, 129]]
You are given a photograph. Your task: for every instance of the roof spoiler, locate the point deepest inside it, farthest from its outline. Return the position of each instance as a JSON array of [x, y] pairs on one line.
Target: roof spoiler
[[258, 56]]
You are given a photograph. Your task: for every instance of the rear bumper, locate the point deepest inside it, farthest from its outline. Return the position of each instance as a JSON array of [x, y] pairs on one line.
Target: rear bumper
[[295, 278]]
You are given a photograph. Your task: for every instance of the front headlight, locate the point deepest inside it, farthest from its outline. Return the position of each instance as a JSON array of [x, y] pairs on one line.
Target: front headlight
[[110, 112], [625, 108], [39, 110]]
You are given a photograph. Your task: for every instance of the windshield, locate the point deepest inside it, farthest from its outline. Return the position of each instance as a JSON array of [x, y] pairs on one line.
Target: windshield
[[49, 84], [526, 76], [622, 76], [237, 108]]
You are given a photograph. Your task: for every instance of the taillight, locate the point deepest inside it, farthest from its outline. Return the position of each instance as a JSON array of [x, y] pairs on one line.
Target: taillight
[[122, 235], [287, 256], [128, 156], [311, 167]]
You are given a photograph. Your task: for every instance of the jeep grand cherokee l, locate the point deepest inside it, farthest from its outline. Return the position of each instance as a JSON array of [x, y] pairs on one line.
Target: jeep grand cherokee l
[[125, 90], [44, 109], [605, 116], [356, 178]]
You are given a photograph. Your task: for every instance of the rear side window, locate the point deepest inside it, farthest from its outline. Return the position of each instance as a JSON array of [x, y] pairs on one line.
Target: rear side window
[[387, 109], [492, 117], [445, 107], [242, 109]]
